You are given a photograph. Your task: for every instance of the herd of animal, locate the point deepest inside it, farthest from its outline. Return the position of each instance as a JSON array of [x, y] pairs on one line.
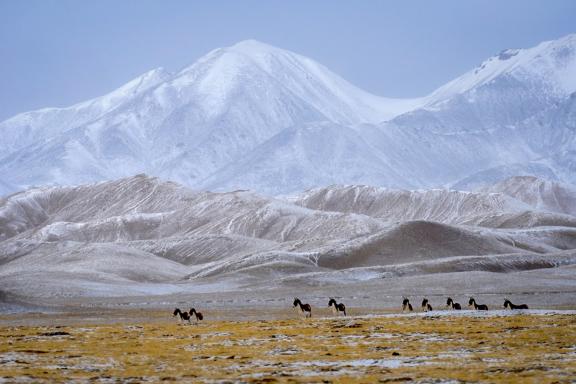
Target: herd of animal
[[340, 308], [451, 304]]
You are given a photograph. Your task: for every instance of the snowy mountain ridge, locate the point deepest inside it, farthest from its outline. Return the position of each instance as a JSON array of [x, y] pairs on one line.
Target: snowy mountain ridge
[[252, 116]]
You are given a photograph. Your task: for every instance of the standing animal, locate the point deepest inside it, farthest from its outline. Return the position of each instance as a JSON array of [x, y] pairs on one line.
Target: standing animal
[[184, 316], [426, 307], [196, 314], [305, 308], [451, 304], [337, 307], [479, 307], [406, 305], [508, 304]]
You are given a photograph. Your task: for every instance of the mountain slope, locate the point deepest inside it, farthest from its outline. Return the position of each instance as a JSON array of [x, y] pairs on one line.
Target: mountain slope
[[294, 158]]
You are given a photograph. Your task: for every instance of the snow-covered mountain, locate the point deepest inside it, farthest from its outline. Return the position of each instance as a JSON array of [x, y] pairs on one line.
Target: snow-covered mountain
[[258, 117]]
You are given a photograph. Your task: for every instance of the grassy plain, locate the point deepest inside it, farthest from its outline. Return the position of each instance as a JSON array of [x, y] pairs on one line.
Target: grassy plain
[[366, 349]]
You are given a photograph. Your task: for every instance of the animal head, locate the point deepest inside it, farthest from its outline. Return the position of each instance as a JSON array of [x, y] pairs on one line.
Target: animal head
[[471, 301], [507, 303], [424, 302], [296, 301], [405, 301], [332, 302], [192, 310], [449, 301], [176, 311]]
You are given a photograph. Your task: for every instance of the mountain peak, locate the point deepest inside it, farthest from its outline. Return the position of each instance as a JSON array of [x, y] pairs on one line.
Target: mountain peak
[[234, 60], [250, 66], [251, 45], [250, 52]]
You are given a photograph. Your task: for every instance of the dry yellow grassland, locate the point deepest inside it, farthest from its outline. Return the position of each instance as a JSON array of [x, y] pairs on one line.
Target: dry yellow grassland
[[519, 348]]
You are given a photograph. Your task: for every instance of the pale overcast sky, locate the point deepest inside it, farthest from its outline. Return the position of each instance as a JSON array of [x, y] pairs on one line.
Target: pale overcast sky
[[59, 52]]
